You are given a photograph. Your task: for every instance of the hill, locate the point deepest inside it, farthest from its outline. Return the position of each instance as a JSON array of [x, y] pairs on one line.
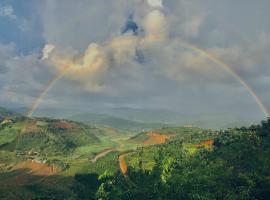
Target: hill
[[46, 136], [145, 115], [7, 113], [186, 134], [163, 116], [113, 121], [172, 163], [233, 164], [143, 118]]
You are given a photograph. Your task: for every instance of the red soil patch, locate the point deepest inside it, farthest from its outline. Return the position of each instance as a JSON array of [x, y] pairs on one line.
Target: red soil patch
[[122, 164], [36, 168], [206, 143], [102, 154], [155, 138], [29, 172]]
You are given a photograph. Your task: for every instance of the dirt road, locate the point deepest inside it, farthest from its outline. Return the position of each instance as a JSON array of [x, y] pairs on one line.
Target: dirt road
[[123, 164], [102, 154]]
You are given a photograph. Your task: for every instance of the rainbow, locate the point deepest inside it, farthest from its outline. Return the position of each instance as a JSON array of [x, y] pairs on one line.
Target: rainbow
[[46, 89], [231, 71], [195, 48]]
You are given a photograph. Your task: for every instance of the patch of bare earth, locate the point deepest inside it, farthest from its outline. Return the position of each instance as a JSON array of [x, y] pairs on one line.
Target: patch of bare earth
[[205, 143], [102, 154], [122, 164], [156, 138], [29, 172]]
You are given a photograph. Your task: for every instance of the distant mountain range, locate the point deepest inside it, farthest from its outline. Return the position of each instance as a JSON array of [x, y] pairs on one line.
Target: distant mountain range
[[146, 118], [162, 116], [137, 119], [114, 122], [7, 113]]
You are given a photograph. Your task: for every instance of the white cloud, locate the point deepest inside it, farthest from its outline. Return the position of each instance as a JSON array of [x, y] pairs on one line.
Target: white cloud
[[47, 50], [7, 11], [22, 77], [155, 3], [100, 64], [104, 62], [155, 25]]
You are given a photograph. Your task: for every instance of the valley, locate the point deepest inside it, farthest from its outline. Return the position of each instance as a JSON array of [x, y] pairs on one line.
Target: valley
[[59, 158], [134, 100]]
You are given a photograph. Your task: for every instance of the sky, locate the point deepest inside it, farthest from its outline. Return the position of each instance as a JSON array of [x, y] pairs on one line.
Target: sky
[[135, 53]]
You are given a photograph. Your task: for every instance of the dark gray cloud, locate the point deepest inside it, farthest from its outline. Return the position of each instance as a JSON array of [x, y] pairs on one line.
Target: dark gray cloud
[[149, 68]]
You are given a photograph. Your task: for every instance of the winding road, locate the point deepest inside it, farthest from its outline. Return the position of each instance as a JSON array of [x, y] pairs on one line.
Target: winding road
[[122, 163], [102, 154]]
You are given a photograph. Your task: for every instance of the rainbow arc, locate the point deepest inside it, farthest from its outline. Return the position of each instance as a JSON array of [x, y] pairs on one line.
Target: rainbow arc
[[215, 59]]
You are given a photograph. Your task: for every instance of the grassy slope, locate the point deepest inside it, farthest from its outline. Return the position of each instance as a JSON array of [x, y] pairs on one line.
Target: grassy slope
[[236, 167], [47, 136], [182, 147], [181, 133], [8, 113], [82, 141]]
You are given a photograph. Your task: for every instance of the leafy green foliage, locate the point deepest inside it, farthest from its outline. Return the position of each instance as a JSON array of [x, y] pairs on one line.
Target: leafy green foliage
[[5, 113], [46, 136], [236, 167]]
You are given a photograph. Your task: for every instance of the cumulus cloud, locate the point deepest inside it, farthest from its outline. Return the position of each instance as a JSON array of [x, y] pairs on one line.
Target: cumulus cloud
[[46, 51], [113, 57], [23, 77], [122, 54], [7, 11], [99, 66], [130, 55], [155, 25], [98, 62], [155, 3], [186, 18]]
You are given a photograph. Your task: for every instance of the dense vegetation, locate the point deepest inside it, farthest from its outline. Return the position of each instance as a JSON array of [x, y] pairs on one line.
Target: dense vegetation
[[4, 113], [237, 166], [45, 136], [187, 134], [192, 163]]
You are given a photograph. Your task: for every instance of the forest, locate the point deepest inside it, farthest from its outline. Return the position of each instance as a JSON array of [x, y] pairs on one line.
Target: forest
[[188, 163], [236, 166]]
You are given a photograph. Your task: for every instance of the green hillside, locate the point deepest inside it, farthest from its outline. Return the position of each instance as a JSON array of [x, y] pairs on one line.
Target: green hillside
[[138, 118], [46, 136], [179, 163], [6, 113], [186, 134], [234, 165]]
